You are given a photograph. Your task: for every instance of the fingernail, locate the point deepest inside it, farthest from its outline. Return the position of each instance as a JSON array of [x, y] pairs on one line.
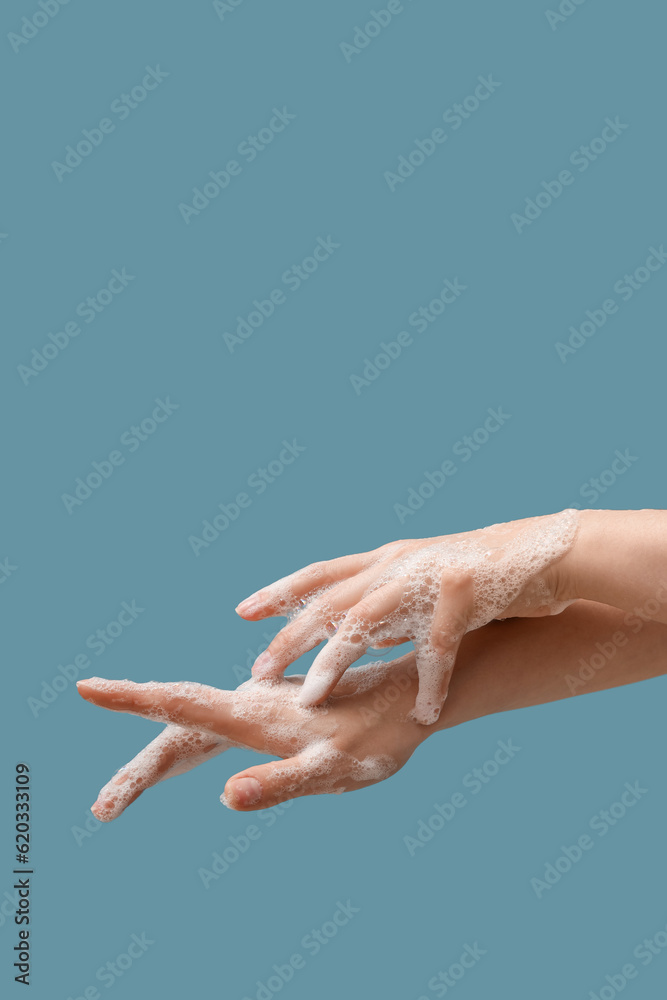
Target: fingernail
[[250, 604], [246, 791], [263, 665], [313, 690]]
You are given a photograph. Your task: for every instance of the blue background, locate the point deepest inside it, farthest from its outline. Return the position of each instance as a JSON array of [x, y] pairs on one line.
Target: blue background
[[163, 336]]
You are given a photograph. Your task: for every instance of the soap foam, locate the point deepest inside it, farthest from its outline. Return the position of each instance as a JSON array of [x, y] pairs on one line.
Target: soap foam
[[284, 725], [501, 562], [186, 746]]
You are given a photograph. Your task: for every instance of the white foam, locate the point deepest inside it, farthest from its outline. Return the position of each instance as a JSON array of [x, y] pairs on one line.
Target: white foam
[[186, 747], [284, 729], [498, 563]]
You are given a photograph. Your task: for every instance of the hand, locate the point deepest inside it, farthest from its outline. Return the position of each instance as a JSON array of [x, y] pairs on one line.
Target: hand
[[344, 746], [502, 667], [430, 591]]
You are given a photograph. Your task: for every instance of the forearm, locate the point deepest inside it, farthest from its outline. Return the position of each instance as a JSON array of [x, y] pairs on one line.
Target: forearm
[[619, 558], [521, 662]]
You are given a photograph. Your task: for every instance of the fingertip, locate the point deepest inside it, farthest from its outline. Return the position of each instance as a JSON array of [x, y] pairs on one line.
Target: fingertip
[[251, 607], [242, 793], [103, 810], [427, 710], [315, 690], [249, 616], [88, 687], [96, 812]]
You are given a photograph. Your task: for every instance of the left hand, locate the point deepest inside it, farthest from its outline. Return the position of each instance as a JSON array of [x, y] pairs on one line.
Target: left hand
[[342, 746]]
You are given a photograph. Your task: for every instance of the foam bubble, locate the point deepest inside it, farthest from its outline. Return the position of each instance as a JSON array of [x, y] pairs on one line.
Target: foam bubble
[[185, 748], [498, 564], [287, 729]]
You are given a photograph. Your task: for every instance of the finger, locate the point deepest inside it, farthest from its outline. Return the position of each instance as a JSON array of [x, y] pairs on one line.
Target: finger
[[183, 703], [278, 597], [174, 751], [322, 769], [436, 656], [435, 672], [263, 786], [315, 624], [350, 642], [297, 638]]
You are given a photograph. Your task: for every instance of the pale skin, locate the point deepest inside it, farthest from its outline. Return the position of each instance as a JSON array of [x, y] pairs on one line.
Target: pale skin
[[500, 667], [618, 558]]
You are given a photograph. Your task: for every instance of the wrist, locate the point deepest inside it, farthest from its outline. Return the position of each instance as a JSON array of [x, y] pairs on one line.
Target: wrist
[[568, 573]]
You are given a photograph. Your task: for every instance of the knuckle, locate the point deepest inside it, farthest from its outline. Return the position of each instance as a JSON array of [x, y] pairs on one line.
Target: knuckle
[[457, 582], [367, 609], [441, 641], [318, 571], [401, 547], [458, 586], [280, 644], [389, 549]]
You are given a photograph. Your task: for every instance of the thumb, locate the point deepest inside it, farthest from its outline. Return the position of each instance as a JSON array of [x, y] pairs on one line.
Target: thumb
[[266, 785]]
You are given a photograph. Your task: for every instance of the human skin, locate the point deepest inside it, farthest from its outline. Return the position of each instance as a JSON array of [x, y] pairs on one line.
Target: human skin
[[501, 667], [617, 558]]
